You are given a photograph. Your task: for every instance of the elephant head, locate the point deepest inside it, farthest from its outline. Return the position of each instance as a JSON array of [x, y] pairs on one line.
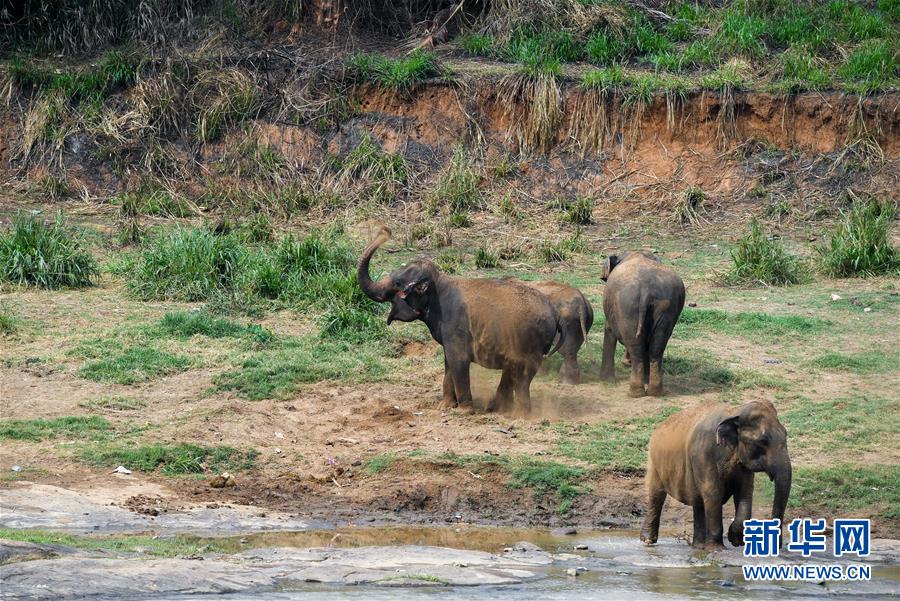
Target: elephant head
[[613, 260], [760, 443], [410, 289]]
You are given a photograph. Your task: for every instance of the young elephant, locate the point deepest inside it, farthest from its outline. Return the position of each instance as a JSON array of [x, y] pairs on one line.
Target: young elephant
[[576, 316], [496, 323], [705, 455], [642, 303]]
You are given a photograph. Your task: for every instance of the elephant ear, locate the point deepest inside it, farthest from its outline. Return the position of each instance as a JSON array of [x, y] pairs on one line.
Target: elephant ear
[[727, 432], [608, 266]]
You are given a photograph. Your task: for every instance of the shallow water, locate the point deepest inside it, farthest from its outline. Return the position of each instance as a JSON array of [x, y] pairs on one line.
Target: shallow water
[[618, 567]]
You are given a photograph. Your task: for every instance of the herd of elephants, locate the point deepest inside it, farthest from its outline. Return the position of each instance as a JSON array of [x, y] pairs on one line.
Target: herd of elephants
[[702, 456]]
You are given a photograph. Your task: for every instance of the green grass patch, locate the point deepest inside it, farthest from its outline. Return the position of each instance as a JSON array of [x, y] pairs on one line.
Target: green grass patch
[[844, 424], [116, 69], [750, 324], [563, 249], [762, 259], [171, 460], [152, 200], [133, 365], [457, 189], [9, 321], [46, 255], [184, 324], [843, 489], [379, 463], [867, 362], [395, 74], [871, 66], [41, 429], [861, 245], [698, 370], [152, 546], [277, 374], [617, 445], [550, 477]]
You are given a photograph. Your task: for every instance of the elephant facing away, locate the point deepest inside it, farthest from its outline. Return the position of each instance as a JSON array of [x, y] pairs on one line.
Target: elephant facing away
[[642, 302], [576, 316], [707, 454], [497, 323]]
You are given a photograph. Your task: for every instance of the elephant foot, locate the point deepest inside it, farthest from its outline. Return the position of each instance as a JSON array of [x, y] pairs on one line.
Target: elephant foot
[[467, 409], [647, 538], [655, 390], [447, 404], [736, 537], [636, 390], [713, 547]]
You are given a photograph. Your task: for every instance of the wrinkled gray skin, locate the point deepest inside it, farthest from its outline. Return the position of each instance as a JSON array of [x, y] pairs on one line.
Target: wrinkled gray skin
[[496, 323], [576, 316], [642, 302], [705, 455]]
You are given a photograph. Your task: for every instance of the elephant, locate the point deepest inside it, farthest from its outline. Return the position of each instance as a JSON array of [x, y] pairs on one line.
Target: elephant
[[707, 454], [496, 323], [577, 317], [642, 302]]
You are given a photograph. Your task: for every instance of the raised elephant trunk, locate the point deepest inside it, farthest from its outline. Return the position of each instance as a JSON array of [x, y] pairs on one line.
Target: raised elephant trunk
[[381, 290], [781, 474]]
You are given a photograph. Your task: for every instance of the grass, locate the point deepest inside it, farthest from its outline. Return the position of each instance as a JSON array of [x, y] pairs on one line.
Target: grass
[[134, 365], [186, 264], [698, 370], [42, 429], [398, 74], [457, 188], [617, 445], [485, 258], [170, 460], [152, 200], [45, 255], [762, 259], [184, 324], [379, 463], [277, 374], [578, 210], [9, 321], [838, 426], [226, 98], [114, 403], [92, 84], [866, 362], [861, 245], [380, 173], [845, 489], [562, 249], [152, 546], [752, 324], [871, 66], [550, 477]]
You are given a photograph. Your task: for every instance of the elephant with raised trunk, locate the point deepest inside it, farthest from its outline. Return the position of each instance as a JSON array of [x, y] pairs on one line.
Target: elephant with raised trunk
[[496, 323], [642, 302], [576, 316], [705, 455]]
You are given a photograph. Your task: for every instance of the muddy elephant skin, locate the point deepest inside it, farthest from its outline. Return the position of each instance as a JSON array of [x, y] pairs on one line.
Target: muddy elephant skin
[[705, 455], [642, 302], [576, 316], [496, 323]]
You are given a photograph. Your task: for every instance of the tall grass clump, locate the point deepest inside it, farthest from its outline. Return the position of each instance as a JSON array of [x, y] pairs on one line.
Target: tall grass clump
[[187, 264], [757, 258], [371, 173], [46, 255], [395, 74], [861, 244], [457, 188]]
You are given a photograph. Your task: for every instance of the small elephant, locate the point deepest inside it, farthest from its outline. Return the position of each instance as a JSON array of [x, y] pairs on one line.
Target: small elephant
[[642, 303], [705, 455], [577, 317], [496, 323]]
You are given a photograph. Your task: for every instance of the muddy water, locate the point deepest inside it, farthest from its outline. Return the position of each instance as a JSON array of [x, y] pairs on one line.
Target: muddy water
[[618, 567]]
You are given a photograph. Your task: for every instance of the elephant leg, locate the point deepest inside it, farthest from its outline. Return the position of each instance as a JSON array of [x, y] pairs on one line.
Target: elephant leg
[[504, 395], [743, 510], [656, 497], [449, 397], [608, 363], [659, 338], [525, 374], [712, 506], [699, 526], [569, 373], [636, 384], [461, 386]]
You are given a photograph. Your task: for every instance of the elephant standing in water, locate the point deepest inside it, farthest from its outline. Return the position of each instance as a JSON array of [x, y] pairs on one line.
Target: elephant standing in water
[[705, 455], [576, 316], [642, 302], [496, 323]]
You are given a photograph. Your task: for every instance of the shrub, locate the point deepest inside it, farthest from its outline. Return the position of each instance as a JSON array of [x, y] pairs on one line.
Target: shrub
[[861, 244], [35, 253], [761, 259], [188, 264]]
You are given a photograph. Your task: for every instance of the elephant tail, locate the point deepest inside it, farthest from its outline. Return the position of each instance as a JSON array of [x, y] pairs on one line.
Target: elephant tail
[[642, 314], [561, 331], [582, 319]]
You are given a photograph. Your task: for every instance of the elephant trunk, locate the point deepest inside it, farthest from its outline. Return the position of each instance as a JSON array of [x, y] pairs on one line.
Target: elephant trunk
[[781, 474], [378, 291]]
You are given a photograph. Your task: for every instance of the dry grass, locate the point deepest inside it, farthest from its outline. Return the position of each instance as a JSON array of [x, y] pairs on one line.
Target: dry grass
[[533, 106]]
